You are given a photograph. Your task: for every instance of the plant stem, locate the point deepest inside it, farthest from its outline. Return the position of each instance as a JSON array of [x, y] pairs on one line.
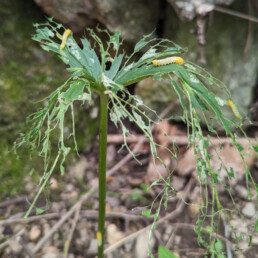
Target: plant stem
[[102, 171]]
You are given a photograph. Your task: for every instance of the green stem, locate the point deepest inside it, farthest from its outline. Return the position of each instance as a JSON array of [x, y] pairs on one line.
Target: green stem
[[102, 171]]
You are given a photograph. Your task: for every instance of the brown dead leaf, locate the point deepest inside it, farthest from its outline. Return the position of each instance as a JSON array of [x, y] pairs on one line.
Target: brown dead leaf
[[229, 156], [157, 169], [164, 133], [186, 165]]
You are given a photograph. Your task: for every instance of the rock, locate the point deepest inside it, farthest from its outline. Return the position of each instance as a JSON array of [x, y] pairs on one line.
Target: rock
[[93, 248], [34, 233], [241, 191], [51, 252], [78, 170], [141, 245], [82, 227], [114, 234], [249, 210], [134, 18], [111, 153], [71, 196], [15, 246], [53, 183], [226, 63], [187, 9]]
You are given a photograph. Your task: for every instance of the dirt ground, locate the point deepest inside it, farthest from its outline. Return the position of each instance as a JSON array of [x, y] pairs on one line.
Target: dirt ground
[[68, 226]]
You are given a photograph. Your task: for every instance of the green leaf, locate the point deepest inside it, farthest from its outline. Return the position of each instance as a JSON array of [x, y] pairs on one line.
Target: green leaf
[[39, 211], [142, 43], [75, 91], [179, 93], [163, 252], [218, 245], [256, 225], [255, 147], [133, 73], [114, 67], [146, 213]]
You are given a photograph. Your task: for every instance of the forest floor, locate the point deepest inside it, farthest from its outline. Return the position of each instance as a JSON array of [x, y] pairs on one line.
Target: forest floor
[[68, 226]]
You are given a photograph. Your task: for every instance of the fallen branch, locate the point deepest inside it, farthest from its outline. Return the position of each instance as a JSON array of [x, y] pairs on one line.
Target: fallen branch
[[179, 140], [12, 201], [88, 214]]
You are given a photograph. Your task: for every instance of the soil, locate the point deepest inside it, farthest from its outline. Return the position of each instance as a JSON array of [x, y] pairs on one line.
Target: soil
[[127, 196]]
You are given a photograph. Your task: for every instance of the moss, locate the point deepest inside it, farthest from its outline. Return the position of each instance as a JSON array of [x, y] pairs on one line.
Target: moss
[[28, 74]]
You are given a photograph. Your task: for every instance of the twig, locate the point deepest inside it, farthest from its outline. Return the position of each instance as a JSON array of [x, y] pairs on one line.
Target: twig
[[171, 238], [179, 140], [235, 13], [226, 232], [13, 201], [70, 236], [89, 214], [249, 33], [172, 215]]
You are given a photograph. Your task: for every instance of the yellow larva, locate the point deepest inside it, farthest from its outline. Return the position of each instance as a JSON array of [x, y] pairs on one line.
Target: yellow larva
[[233, 107], [169, 60], [64, 38]]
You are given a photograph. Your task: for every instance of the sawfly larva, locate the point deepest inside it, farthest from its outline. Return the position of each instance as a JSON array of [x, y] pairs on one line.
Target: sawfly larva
[[64, 38], [169, 60], [233, 107]]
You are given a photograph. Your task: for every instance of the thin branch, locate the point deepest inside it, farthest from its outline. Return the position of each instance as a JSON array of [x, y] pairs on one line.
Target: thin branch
[[171, 238], [89, 214], [178, 140], [13, 201], [70, 236], [235, 13]]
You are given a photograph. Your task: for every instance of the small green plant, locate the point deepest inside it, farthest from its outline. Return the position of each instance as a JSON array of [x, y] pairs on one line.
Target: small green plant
[[108, 77], [163, 252]]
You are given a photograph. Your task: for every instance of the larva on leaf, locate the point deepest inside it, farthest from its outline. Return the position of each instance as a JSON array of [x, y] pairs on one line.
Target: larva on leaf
[[169, 60], [64, 38], [233, 107]]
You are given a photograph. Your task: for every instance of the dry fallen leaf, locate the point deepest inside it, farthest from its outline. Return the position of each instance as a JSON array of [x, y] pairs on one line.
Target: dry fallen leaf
[[229, 156], [157, 169]]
